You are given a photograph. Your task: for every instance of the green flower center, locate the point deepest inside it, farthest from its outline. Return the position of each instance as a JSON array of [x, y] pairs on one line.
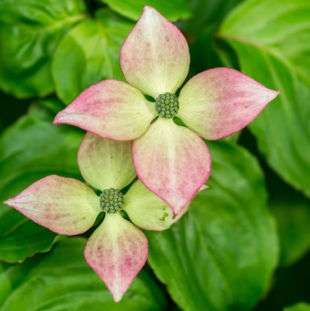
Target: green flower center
[[167, 105], [111, 200]]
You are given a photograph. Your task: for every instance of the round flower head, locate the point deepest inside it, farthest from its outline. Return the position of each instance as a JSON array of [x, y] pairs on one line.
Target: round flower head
[[117, 249], [170, 160]]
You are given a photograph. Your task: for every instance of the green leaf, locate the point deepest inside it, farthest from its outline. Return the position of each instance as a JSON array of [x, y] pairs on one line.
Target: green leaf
[[271, 38], [298, 307], [173, 10], [62, 281], [220, 256], [89, 53], [29, 33], [29, 150], [292, 213], [200, 30], [207, 14]]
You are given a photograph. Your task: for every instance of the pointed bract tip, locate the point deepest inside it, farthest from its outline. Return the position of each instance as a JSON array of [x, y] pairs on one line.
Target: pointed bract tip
[[269, 93], [204, 187], [148, 7], [117, 297], [56, 119], [150, 10], [275, 93], [116, 251], [176, 211], [10, 202]]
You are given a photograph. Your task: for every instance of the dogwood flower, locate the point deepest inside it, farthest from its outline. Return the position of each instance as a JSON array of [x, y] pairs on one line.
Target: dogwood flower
[[171, 160], [117, 249]]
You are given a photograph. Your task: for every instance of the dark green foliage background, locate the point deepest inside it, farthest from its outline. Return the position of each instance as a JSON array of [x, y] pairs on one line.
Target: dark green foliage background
[[244, 244]]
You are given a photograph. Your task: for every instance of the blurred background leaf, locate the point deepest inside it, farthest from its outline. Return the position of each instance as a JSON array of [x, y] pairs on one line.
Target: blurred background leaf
[[30, 30], [89, 53], [292, 213], [62, 280], [298, 307], [29, 150], [173, 10], [221, 255], [271, 38]]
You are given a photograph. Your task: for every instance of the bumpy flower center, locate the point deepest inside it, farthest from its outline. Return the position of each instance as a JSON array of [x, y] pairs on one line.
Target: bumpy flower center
[[167, 105], [111, 200]]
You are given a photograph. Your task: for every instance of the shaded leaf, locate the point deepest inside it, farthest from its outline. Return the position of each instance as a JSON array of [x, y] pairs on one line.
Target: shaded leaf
[[293, 220], [292, 213], [290, 286]]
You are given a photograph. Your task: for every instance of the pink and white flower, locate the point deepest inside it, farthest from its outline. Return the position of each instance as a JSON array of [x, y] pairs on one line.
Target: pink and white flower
[[117, 249], [170, 160]]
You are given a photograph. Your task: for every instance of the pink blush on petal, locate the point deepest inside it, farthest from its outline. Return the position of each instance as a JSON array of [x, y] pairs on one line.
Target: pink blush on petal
[[172, 162], [116, 251]]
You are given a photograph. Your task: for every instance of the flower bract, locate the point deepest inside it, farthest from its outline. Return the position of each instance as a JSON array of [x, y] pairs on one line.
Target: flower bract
[[170, 160]]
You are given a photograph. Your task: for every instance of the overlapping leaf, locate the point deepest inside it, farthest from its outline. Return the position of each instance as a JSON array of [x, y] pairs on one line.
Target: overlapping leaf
[[293, 222], [89, 53]]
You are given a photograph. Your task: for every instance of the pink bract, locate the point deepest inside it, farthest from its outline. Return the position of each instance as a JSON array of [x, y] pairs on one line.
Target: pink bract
[[167, 170], [117, 251], [169, 159]]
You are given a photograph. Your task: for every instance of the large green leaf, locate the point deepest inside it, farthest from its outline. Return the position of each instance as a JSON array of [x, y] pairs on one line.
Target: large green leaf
[[29, 33], [62, 281], [221, 255], [298, 307], [271, 38], [29, 150], [89, 53], [173, 10]]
